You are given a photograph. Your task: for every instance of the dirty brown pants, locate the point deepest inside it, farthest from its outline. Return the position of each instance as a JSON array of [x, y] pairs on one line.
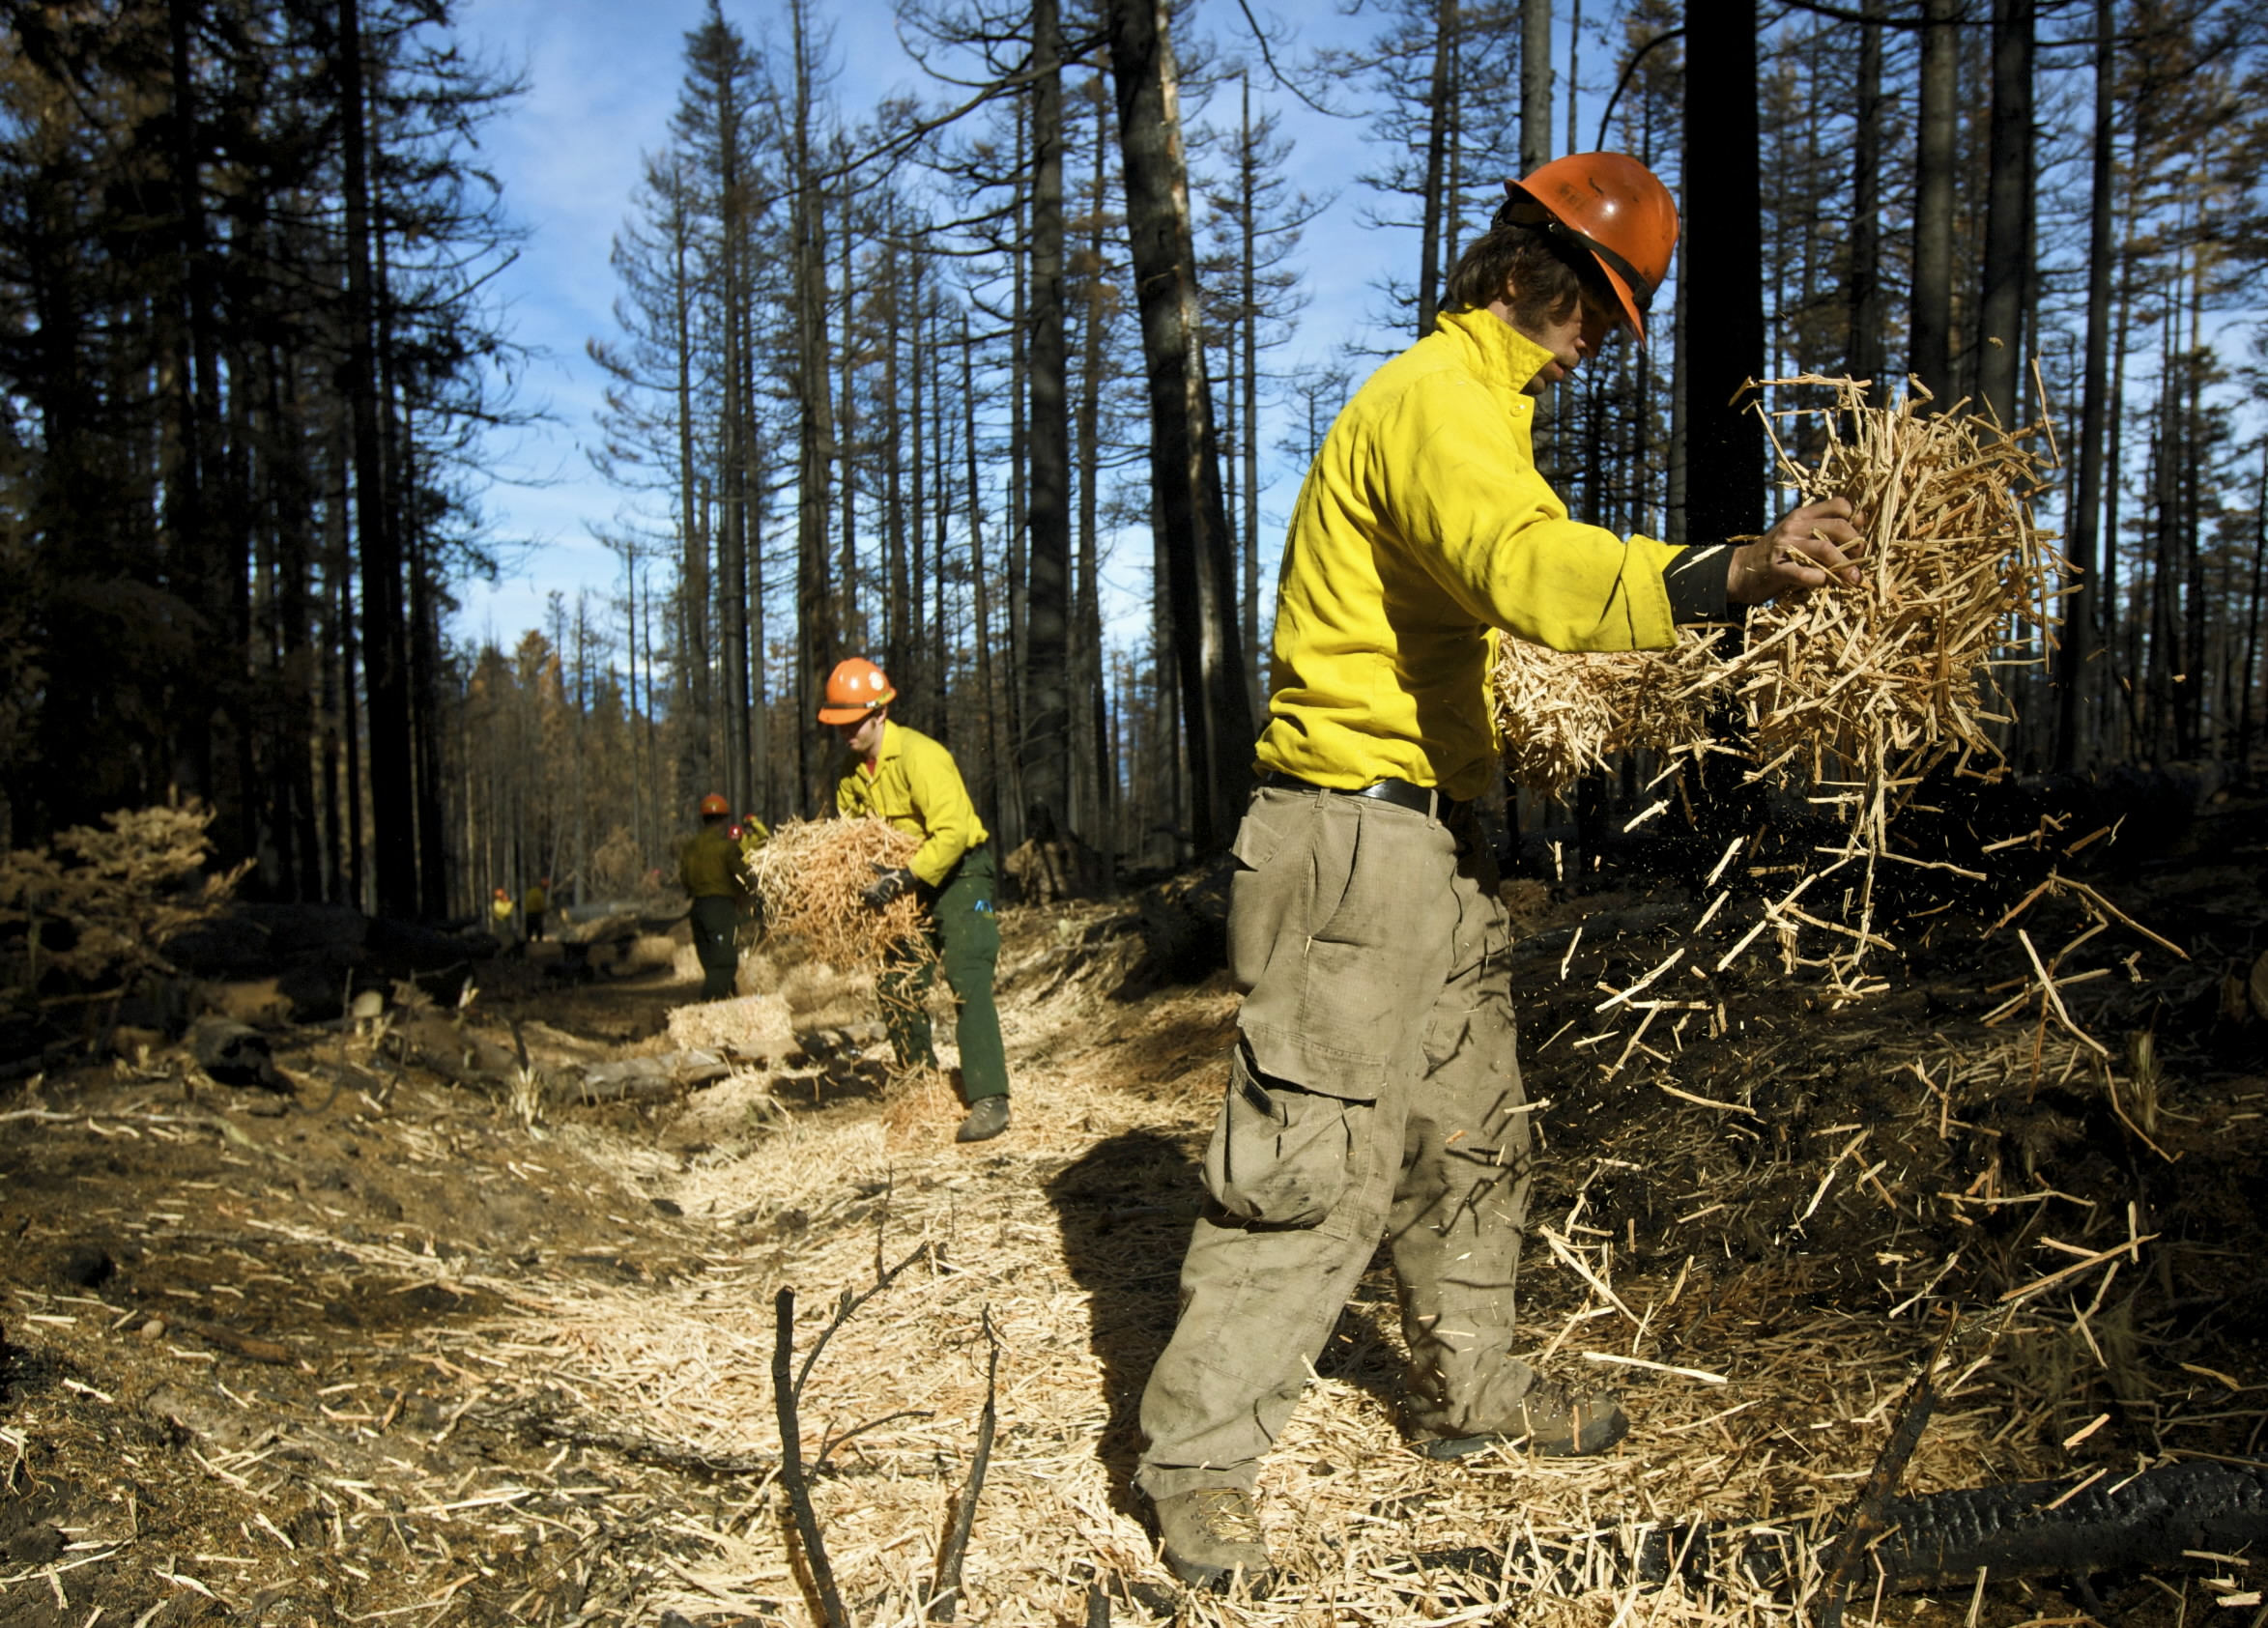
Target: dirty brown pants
[[1375, 1088]]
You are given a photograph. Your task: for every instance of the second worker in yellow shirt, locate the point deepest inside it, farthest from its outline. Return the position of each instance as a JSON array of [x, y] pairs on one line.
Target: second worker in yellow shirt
[[901, 775]]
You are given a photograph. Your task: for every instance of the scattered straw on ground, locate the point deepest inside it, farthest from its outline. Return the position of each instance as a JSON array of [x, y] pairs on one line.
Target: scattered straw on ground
[[813, 875], [596, 1423], [1065, 1235]]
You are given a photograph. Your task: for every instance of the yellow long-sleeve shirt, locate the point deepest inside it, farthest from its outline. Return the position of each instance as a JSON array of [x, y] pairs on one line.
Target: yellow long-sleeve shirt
[[916, 786], [710, 865], [1422, 524]]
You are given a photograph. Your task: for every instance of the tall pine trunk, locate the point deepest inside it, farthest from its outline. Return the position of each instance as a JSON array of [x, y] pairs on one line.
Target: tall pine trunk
[[1046, 734], [1089, 456], [2081, 606], [1721, 251], [1932, 318], [392, 788], [1534, 85], [2007, 258], [816, 640], [690, 671], [1184, 461], [1440, 115], [1863, 351]]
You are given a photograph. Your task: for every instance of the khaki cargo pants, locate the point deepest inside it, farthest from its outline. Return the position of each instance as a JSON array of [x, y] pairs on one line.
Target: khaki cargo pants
[[1374, 1090]]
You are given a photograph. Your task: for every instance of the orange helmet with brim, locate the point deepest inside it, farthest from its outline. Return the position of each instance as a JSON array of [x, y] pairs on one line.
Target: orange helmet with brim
[[855, 689], [1611, 206], [714, 804]]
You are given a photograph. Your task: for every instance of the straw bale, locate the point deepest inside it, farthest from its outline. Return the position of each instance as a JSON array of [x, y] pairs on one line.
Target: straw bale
[[742, 1100], [823, 996], [652, 949], [813, 875], [752, 1026]]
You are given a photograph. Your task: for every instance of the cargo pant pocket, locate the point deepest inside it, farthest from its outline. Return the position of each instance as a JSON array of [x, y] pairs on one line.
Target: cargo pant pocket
[[1278, 1155]]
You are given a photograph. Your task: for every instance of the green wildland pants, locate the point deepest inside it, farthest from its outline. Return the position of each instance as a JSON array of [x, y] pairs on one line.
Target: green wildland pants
[[714, 917], [1374, 1089], [963, 936]]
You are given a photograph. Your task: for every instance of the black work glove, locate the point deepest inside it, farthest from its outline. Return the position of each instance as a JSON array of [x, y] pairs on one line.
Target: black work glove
[[887, 886]]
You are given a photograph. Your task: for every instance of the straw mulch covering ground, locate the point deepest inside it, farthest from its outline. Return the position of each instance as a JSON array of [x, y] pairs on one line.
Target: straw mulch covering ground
[[1761, 1343], [749, 1026], [400, 1358], [812, 875]]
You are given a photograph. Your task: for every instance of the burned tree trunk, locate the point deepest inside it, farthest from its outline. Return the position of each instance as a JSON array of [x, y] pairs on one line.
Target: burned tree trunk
[[1046, 715], [1184, 460]]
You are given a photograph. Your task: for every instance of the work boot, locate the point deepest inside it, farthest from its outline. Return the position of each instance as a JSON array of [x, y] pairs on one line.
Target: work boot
[[1211, 1535], [1549, 1419], [988, 1117]]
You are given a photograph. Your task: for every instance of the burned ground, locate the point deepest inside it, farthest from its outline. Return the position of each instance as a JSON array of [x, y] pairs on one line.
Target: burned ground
[[373, 1349]]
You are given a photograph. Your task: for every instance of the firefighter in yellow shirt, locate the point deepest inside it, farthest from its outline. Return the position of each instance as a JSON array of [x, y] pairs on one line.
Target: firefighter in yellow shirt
[[901, 775], [1374, 1090], [710, 870], [534, 905]]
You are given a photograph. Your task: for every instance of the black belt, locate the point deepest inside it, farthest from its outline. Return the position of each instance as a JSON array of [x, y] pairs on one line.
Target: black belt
[[1401, 793]]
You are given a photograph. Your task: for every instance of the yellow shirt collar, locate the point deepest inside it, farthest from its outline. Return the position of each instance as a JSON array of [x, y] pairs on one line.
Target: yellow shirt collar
[[887, 750], [1498, 352]]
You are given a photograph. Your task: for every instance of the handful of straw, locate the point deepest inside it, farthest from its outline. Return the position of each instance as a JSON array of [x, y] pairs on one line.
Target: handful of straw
[[1860, 689], [1561, 715], [813, 874], [1868, 688], [1863, 688]]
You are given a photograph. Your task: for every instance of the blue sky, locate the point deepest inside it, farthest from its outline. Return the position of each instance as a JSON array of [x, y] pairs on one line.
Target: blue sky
[[602, 76]]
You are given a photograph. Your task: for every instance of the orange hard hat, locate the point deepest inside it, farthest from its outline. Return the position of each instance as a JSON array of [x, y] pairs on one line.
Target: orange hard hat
[[714, 804], [854, 689], [1613, 206], [501, 894]]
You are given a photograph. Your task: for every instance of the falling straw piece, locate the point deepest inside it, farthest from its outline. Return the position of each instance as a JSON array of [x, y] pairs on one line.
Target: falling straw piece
[[1708, 1102], [1616, 999]]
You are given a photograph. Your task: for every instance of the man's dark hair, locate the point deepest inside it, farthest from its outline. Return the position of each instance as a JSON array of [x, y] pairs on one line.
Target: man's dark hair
[[1546, 274]]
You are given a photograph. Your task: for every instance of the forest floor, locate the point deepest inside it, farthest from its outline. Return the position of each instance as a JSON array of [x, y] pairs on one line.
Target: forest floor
[[375, 1350]]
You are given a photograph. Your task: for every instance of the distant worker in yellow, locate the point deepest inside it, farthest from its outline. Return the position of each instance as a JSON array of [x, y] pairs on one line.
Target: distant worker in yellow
[[901, 775], [500, 913], [534, 905], [710, 870]]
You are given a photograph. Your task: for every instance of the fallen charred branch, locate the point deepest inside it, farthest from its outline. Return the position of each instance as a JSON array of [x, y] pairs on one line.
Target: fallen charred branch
[[540, 1418], [945, 1599], [2139, 1521]]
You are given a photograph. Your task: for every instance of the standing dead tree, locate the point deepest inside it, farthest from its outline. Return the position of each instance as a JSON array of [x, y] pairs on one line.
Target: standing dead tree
[[1184, 463]]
